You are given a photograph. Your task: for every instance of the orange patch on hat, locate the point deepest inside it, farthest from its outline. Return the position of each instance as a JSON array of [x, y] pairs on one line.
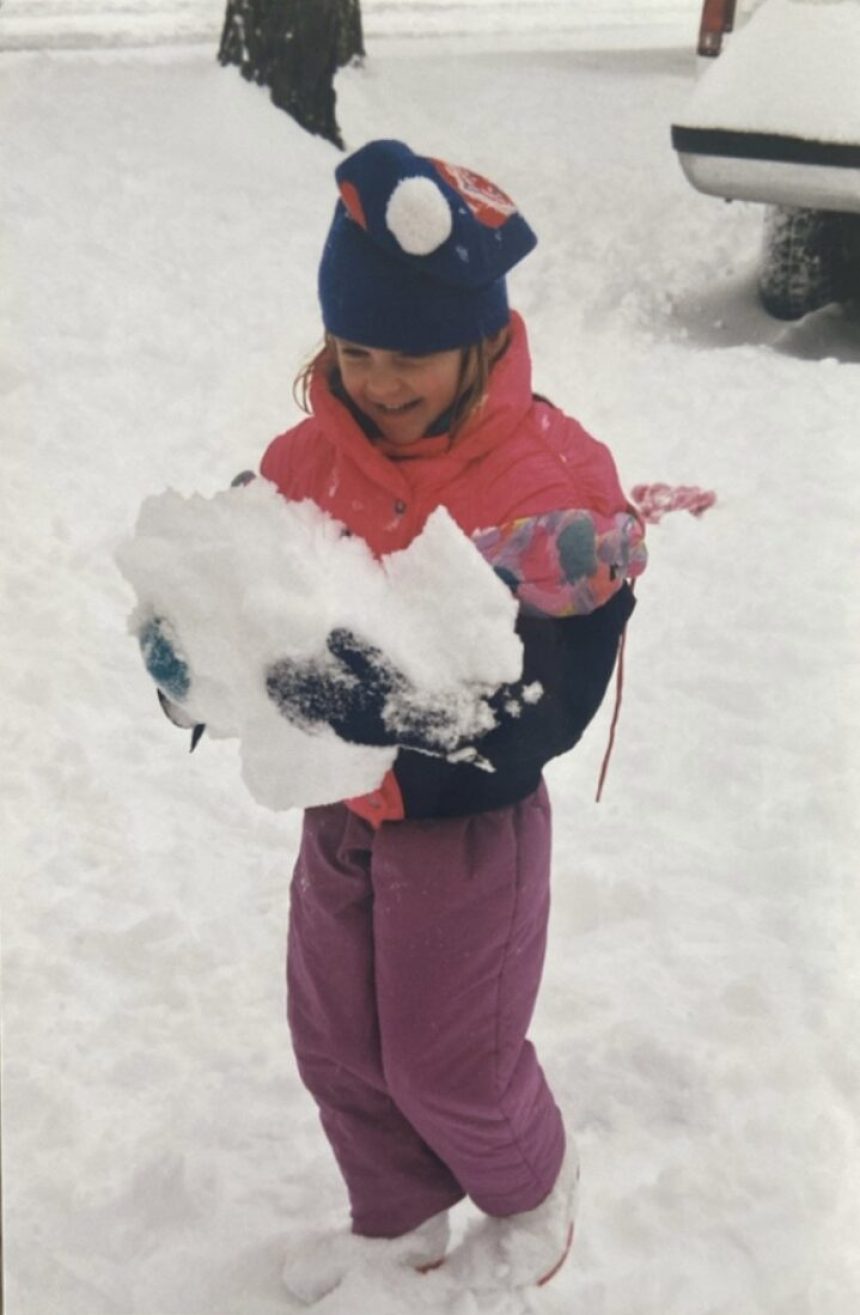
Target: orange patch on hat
[[352, 201], [488, 203]]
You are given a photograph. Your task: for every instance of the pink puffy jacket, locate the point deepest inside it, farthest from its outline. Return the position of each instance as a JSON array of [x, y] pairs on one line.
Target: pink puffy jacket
[[516, 464], [516, 457]]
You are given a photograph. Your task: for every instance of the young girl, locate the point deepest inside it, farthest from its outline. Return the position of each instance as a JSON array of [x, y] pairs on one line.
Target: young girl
[[419, 913]]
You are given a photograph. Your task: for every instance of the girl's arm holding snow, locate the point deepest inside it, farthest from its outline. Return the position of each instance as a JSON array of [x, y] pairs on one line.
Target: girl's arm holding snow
[[571, 659], [568, 570]]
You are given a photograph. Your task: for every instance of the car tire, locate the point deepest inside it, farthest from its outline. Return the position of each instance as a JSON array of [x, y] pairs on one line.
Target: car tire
[[807, 261]]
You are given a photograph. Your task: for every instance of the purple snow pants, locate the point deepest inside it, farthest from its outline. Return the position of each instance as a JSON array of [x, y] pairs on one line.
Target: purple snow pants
[[414, 959]]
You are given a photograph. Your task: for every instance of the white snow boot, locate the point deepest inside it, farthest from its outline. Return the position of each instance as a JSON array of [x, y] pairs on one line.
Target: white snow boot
[[319, 1263], [524, 1250]]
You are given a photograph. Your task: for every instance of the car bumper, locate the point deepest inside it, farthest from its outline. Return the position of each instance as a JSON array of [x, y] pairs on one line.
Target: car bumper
[[769, 168]]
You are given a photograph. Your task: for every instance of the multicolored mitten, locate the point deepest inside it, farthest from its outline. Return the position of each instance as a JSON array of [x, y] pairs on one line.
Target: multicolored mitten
[[565, 563]]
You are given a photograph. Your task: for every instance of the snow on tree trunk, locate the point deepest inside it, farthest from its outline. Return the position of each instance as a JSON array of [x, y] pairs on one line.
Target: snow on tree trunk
[[295, 47]]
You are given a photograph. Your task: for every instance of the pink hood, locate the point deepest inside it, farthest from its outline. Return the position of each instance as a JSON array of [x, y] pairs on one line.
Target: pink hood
[[517, 456]]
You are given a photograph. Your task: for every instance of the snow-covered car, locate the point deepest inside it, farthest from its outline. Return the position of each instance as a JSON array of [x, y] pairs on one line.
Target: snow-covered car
[[774, 117]]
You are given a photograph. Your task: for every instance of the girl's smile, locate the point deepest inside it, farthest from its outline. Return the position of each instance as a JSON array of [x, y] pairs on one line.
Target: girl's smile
[[402, 394]]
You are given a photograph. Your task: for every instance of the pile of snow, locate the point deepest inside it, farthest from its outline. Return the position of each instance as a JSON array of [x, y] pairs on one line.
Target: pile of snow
[[792, 70], [245, 579]]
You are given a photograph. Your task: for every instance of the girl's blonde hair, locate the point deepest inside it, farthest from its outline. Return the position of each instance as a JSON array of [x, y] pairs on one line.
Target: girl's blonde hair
[[476, 366]]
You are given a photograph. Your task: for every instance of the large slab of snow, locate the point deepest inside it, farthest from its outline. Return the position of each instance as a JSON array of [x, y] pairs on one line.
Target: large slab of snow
[[244, 580], [699, 1013]]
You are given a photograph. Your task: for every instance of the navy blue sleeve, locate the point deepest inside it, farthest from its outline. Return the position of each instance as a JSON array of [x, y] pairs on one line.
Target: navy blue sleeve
[[573, 659]]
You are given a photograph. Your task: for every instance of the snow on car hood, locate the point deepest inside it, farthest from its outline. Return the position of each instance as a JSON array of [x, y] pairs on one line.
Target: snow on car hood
[[794, 69]]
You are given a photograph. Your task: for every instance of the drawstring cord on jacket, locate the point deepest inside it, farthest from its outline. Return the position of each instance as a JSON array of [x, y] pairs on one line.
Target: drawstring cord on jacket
[[616, 712], [653, 501]]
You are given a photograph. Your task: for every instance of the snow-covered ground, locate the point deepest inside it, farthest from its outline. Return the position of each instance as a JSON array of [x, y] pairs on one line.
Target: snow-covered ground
[[699, 1015], [67, 24]]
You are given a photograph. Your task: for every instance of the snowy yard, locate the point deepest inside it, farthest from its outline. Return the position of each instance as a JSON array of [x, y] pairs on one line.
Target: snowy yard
[[699, 1013]]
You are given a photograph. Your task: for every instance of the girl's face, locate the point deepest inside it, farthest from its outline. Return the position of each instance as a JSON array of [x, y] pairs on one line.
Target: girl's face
[[402, 394]]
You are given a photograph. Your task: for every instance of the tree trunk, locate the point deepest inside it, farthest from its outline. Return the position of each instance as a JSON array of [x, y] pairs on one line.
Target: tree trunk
[[295, 47]]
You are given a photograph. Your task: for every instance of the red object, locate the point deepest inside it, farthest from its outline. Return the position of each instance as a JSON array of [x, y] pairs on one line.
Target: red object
[[655, 500], [718, 17], [352, 201], [564, 1255], [384, 804], [616, 713], [428, 1269], [487, 202]]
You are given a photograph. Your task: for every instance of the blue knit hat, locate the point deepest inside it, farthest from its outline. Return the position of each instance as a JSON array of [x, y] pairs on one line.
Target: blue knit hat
[[416, 256]]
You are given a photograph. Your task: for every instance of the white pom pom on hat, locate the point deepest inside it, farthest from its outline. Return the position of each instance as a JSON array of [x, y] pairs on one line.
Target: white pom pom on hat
[[418, 215]]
